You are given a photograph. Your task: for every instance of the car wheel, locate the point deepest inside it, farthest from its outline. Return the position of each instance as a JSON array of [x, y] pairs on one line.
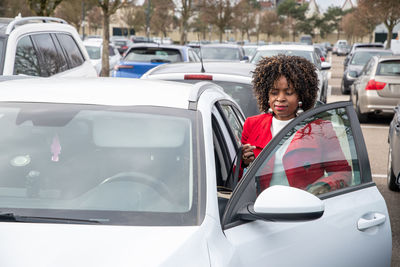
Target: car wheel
[[362, 118], [391, 178], [343, 89]]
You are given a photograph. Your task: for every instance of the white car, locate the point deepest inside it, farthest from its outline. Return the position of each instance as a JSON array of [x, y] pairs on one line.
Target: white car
[[129, 172], [306, 51], [42, 46], [94, 47]]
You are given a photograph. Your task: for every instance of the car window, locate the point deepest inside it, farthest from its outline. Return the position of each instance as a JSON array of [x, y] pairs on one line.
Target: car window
[[93, 51], [369, 66], [220, 53], [362, 57], [80, 161], [193, 57], [309, 55], [319, 152], [111, 51], [71, 49], [233, 121], [49, 56], [389, 68], [26, 59], [151, 54]]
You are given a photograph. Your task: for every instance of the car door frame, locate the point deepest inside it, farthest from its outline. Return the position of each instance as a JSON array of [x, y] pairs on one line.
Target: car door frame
[[237, 200]]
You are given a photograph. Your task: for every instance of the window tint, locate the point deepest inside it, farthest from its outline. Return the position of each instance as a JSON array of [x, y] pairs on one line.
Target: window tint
[[362, 57], [111, 51], [222, 53], [50, 61], [269, 53], [233, 122], [318, 155], [71, 49], [93, 51], [153, 54], [26, 60], [389, 68]]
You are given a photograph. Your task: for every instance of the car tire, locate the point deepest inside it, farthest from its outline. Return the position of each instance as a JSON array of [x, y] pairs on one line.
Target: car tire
[[362, 118], [343, 89], [391, 178]]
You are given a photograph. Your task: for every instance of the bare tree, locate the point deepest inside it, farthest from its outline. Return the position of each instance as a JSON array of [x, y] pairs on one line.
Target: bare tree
[[162, 16], [95, 18], [219, 13], [367, 17], [389, 13], [352, 27], [11, 8], [43, 7], [270, 23], [185, 10], [73, 11], [244, 18], [108, 7]]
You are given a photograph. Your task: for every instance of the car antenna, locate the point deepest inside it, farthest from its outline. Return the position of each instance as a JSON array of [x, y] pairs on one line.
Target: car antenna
[[201, 56]]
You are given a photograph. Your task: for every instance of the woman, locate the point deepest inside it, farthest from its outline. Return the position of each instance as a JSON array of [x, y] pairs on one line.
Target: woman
[[284, 86]]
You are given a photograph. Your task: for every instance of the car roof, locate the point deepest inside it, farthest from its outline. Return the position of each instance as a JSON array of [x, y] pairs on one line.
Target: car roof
[[7, 25], [371, 49], [222, 45], [387, 57], [286, 47], [98, 91], [136, 45], [231, 68]]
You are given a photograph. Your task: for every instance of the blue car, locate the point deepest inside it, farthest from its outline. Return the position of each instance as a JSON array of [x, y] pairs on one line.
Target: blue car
[[139, 58]]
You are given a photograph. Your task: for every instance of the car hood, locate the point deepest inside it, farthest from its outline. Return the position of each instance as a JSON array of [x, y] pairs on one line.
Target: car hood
[[45, 245]]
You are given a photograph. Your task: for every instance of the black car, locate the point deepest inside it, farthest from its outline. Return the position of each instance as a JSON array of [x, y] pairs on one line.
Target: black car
[[356, 64], [393, 169], [356, 46]]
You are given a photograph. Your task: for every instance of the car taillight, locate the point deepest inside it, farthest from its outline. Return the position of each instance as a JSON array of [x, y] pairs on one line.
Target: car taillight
[[118, 67], [198, 77], [374, 85], [124, 47], [322, 59]]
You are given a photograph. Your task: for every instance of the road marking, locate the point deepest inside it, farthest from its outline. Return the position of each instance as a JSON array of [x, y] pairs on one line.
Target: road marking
[[374, 127], [379, 176]]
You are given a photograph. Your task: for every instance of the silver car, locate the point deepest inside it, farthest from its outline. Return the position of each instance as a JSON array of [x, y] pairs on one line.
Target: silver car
[[377, 89]]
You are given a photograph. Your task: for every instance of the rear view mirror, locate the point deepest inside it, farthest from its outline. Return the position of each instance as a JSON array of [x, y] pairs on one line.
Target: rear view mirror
[[353, 74]]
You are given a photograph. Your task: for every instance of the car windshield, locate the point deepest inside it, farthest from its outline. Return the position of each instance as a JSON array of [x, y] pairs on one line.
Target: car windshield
[[113, 165], [269, 53], [120, 43], [362, 57], [93, 51], [219, 53], [389, 68], [153, 54]]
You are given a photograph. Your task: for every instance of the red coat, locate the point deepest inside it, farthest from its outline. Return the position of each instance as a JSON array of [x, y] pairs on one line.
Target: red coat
[[317, 151]]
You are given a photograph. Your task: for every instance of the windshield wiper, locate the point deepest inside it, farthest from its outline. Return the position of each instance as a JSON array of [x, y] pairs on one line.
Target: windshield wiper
[[11, 217]]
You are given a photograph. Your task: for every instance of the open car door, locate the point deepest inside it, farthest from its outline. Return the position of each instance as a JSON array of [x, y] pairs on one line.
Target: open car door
[[309, 199]]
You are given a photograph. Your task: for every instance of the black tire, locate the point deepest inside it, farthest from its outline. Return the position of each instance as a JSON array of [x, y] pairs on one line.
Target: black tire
[[362, 118], [343, 89], [391, 178]]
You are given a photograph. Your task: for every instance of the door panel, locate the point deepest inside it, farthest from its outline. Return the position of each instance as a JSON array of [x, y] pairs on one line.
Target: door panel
[[322, 147]]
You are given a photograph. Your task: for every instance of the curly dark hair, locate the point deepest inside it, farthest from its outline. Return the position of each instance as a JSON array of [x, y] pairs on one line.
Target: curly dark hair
[[298, 71]]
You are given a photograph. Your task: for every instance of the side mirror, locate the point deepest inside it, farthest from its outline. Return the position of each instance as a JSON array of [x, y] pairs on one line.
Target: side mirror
[[325, 66], [284, 203], [353, 74]]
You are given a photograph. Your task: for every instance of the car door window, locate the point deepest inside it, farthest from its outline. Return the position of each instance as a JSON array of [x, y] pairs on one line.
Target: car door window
[[318, 155], [49, 58], [233, 121], [71, 49], [26, 59]]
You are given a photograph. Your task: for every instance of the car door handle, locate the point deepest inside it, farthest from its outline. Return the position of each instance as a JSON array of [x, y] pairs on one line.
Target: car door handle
[[371, 220]]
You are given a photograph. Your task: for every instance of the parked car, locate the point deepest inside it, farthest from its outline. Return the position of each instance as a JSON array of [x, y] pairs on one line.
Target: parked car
[[121, 43], [342, 50], [42, 46], [356, 46], [223, 52], [393, 169], [320, 52], [95, 51], [355, 65], [141, 39], [234, 77], [143, 169], [250, 50], [306, 51], [139, 58], [306, 39], [377, 89], [336, 45]]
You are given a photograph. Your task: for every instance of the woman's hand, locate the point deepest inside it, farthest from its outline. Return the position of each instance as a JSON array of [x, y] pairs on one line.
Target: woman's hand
[[247, 154], [318, 188]]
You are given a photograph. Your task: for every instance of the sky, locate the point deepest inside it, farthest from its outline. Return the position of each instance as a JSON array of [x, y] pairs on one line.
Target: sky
[[324, 4]]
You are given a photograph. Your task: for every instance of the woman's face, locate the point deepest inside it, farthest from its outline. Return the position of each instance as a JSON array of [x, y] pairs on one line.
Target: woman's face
[[283, 100]]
